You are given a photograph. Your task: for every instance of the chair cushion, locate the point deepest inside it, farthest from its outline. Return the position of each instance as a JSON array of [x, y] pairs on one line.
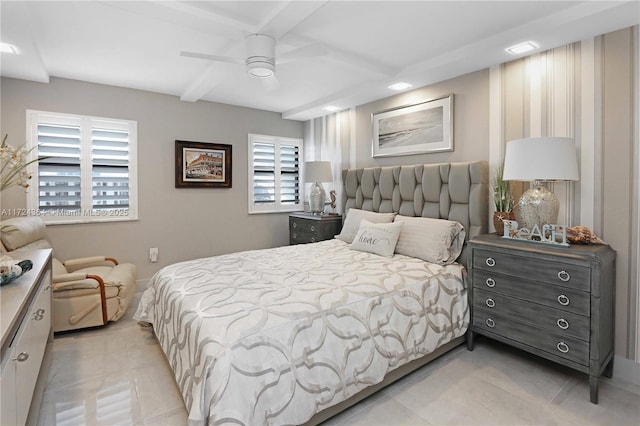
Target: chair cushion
[[17, 232], [123, 274]]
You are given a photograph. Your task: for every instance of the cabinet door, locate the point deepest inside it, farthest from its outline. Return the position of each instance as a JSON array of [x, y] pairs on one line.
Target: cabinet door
[[8, 391], [29, 350]]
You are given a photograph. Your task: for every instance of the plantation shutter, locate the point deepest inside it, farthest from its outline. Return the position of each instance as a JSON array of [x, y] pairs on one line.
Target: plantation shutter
[[59, 174], [274, 174], [86, 170], [110, 168], [264, 173], [289, 174]]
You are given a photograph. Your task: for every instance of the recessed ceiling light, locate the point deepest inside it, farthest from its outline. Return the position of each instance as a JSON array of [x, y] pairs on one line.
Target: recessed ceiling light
[[400, 86], [8, 48], [520, 48], [331, 108]]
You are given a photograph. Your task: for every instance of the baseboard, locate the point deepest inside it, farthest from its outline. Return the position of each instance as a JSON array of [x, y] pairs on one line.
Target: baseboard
[[626, 370]]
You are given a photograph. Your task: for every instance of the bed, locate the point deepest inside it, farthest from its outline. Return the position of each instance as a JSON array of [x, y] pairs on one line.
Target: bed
[[294, 334]]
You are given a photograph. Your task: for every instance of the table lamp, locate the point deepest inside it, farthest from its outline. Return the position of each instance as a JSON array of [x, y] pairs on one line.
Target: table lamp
[[317, 172], [540, 160]]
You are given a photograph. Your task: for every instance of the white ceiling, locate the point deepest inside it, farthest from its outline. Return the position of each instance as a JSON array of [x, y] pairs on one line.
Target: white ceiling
[[367, 44]]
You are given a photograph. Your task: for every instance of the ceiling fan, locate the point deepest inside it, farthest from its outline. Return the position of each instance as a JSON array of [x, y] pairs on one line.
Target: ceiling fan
[[260, 61]]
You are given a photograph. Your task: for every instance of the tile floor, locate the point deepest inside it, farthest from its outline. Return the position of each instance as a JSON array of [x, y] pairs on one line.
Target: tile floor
[[117, 375]]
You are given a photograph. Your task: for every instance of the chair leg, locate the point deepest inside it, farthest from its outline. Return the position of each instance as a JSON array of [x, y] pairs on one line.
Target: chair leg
[[103, 296]]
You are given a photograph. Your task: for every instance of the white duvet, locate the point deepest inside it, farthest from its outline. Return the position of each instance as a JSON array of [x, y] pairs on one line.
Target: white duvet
[[275, 336]]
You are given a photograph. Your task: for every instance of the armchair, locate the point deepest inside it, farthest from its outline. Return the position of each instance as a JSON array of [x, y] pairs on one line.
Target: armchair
[[88, 291]]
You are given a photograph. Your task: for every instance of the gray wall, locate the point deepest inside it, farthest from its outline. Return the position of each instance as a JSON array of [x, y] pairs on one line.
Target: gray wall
[[182, 223]]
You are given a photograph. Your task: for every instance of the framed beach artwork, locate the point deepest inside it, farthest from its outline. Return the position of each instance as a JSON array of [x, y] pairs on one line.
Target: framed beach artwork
[[422, 128], [203, 165]]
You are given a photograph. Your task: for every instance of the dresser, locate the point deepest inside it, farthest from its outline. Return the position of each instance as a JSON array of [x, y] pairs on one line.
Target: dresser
[[309, 228], [25, 315], [555, 302]]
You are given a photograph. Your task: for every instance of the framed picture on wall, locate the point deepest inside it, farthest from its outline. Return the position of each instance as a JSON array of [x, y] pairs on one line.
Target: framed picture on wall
[[203, 165], [422, 128]]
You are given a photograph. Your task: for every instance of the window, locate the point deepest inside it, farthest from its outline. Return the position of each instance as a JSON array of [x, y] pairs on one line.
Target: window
[[88, 168], [274, 174]]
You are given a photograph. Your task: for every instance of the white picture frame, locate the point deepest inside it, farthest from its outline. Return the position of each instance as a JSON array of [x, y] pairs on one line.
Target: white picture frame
[[422, 128]]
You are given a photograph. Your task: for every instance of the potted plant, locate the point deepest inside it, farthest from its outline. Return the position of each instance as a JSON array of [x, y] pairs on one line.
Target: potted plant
[[502, 200]]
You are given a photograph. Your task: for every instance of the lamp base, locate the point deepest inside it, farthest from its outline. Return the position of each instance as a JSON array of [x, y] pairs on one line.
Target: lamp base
[[537, 206], [317, 198]]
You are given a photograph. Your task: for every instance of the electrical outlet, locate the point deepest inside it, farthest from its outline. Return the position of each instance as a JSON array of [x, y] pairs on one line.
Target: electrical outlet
[[153, 254]]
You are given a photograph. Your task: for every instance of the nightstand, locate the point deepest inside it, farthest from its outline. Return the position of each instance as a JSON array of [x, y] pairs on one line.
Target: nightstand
[[555, 302], [309, 228]]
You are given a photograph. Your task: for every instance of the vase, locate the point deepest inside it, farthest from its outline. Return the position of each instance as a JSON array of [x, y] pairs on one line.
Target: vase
[[498, 218]]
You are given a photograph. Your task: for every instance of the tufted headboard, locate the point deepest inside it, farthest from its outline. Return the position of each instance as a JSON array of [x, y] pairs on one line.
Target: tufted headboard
[[454, 191]]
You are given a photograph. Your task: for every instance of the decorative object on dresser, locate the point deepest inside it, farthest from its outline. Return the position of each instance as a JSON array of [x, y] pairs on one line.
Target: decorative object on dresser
[[540, 160], [26, 323], [554, 302], [310, 228], [421, 128], [502, 200], [203, 165], [317, 172]]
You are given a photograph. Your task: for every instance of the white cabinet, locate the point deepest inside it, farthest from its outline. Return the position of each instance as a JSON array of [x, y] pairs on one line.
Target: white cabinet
[[26, 317]]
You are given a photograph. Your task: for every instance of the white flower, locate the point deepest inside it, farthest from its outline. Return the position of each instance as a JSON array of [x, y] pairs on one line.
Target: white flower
[[13, 166]]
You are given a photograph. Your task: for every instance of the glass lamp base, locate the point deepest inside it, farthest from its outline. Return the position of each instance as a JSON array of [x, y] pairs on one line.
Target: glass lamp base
[[537, 206], [317, 198]]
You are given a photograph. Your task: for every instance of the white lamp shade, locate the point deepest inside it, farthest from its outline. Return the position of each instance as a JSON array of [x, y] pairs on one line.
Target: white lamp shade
[[317, 171], [543, 159]]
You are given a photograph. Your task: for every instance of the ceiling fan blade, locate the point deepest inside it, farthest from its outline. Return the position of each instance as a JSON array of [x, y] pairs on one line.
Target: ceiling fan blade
[[216, 58], [270, 83], [304, 52]]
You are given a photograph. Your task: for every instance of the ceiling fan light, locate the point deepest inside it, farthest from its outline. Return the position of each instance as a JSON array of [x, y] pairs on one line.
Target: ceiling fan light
[[261, 69]]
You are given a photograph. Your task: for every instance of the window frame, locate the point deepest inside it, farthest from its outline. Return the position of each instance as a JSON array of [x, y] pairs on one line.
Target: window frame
[[276, 207], [87, 213]]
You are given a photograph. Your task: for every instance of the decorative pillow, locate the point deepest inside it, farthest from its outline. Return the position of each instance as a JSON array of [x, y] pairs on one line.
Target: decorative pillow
[[352, 222], [377, 238], [433, 240]]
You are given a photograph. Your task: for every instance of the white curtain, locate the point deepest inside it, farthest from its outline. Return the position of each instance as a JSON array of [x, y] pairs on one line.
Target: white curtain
[[330, 138]]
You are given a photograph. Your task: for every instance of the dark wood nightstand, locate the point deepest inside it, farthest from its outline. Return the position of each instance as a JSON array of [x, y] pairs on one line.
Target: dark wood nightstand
[[309, 228], [555, 302]]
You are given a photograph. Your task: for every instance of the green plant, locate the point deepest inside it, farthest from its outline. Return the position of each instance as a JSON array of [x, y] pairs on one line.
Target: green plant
[[13, 166], [502, 198]]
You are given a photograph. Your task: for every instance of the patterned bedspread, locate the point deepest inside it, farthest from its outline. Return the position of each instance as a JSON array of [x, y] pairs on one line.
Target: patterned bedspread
[[275, 336]]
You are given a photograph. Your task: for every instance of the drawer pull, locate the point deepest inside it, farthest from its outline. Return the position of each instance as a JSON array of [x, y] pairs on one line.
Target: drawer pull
[[313, 240], [490, 323], [562, 347], [490, 282], [295, 225], [490, 303], [295, 236], [563, 323], [313, 228], [564, 276], [22, 356], [490, 261], [563, 300]]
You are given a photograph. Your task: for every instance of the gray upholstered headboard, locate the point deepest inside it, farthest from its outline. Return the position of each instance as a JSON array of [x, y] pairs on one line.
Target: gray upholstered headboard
[[454, 191]]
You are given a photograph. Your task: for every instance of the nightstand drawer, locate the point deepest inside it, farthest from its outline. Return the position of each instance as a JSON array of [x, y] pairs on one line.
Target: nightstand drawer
[[566, 275], [556, 344], [565, 299], [305, 228], [556, 320]]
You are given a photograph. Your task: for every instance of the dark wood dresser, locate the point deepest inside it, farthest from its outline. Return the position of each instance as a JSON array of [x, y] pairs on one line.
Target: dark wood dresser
[[555, 302], [309, 228]]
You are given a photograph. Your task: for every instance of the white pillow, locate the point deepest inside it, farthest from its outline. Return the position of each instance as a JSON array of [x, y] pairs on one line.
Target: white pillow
[[433, 240], [377, 238], [352, 222]]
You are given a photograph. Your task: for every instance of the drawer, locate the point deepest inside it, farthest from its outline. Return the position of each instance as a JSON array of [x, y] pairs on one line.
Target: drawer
[[303, 237], [565, 299], [556, 320], [311, 227], [553, 343], [558, 273]]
